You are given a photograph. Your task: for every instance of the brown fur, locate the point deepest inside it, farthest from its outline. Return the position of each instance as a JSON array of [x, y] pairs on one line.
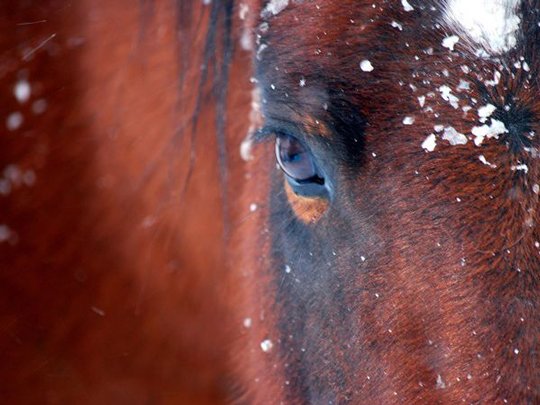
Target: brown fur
[[121, 284], [420, 281], [306, 209], [110, 283]]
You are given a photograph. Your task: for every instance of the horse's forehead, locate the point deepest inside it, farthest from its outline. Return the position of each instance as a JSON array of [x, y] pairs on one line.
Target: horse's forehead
[[458, 69], [488, 27]]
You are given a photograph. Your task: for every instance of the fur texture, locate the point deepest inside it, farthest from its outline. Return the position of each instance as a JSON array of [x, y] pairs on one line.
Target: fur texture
[[419, 282]]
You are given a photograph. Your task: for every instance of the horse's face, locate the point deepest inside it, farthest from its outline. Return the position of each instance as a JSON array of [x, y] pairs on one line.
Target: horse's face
[[400, 238]]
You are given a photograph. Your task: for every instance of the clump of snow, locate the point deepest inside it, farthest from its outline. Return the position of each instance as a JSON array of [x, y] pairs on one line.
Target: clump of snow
[[266, 345], [486, 111], [397, 25], [366, 66], [274, 7], [440, 384], [243, 11], [446, 94], [491, 24], [429, 143], [255, 122], [454, 137], [22, 91], [245, 149], [408, 120], [260, 50], [495, 81], [406, 5], [521, 167], [14, 121], [493, 130], [438, 128], [450, 42], [483, 159], [463, 85]]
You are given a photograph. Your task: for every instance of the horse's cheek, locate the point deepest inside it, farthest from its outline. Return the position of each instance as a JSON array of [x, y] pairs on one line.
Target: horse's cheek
[[308, 210]]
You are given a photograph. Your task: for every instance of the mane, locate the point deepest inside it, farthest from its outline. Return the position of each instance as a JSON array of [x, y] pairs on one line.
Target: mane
[[215, 22]]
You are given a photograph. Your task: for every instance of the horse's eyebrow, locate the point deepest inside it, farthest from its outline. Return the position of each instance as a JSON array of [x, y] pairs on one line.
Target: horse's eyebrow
[[262, 134], [297, 129]]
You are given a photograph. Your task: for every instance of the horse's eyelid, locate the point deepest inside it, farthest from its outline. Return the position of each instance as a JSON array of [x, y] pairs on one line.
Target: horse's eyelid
[[262, 135]]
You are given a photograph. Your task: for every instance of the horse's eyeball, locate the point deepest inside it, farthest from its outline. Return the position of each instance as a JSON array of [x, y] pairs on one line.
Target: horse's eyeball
[[294, 158], [298, 164], [306, 189]]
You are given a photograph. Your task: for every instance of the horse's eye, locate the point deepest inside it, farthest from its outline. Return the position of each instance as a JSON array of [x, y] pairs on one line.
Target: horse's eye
[[294, 158], [298, 164]]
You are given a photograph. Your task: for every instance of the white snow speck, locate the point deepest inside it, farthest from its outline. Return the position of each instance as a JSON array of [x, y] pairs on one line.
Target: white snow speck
[[253, 207], [397, 25], [440, 385], [422, 101], [495, 81], [536, 189], [287, 269], [247, 323], [243, 11], [274, 7], [366, 66], [260, 50], [266, 345], [245, 149], [406, 6], [302, 82], [516, 351], [22, 91], [483, 159], [438, 128], [454, 137], [408, 120], [429, 143], [463, 85], [450, 42], [14, 121]]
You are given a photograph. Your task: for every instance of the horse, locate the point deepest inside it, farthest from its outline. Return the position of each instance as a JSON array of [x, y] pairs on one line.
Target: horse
[[275, 201]]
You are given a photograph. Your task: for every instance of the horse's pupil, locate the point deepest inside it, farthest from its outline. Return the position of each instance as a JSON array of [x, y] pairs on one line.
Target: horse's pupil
[[294, 158]]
